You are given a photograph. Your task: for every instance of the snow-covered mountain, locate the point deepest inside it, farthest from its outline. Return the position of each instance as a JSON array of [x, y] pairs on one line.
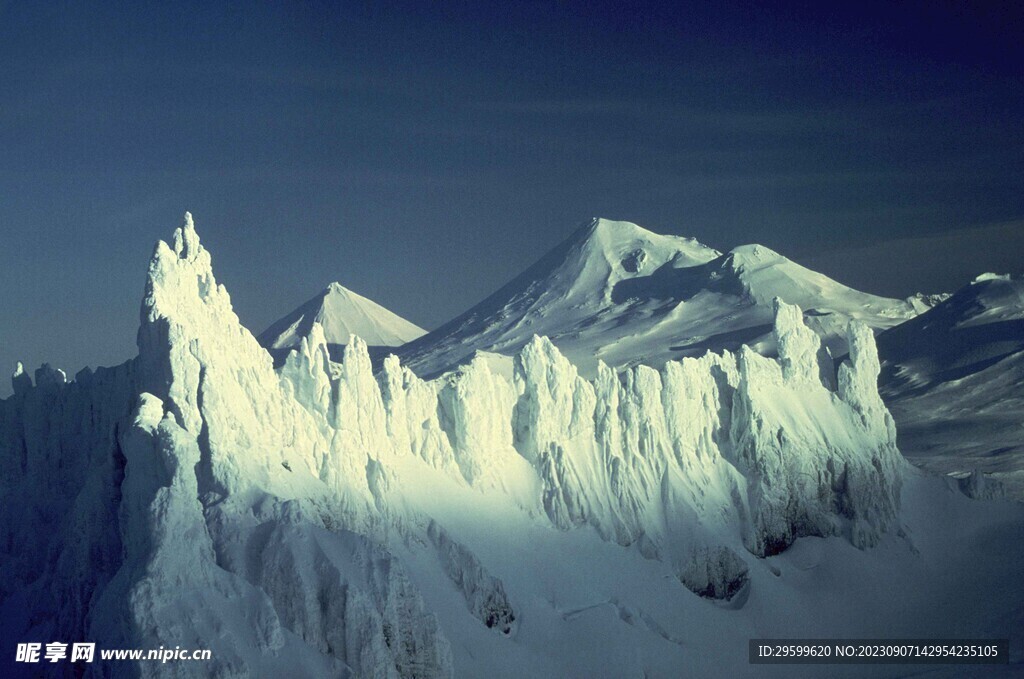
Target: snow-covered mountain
[[340, 313], [616, 292], [954, 379], [321, 520]]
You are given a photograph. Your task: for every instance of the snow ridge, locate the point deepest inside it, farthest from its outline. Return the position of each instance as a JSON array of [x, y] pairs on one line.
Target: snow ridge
[[283, 497]]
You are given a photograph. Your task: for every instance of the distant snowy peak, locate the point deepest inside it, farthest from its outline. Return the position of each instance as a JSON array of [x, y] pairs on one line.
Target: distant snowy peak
[[606, 252], [616, 292], [569, 288], [586, 267], [341, 313], [981, 322]]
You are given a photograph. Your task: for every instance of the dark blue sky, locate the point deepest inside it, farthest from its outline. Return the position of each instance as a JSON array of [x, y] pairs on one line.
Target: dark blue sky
[[424, 153]]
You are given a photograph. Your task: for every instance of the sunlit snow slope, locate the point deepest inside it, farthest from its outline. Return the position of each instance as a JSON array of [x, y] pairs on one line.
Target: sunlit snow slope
[[616, 292]]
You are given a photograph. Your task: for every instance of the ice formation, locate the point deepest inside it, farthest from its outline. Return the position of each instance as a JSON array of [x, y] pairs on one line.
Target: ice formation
[[323, 519]]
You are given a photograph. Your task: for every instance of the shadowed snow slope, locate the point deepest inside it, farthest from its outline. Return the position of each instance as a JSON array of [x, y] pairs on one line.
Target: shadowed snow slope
[[341, 313], [322, 520], [954, 378], [619, 293]]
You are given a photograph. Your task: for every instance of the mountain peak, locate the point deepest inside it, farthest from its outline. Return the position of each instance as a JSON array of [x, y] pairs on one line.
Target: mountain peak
[[617, 292], [609, 233], [606, 251], [335, 288], [341, 313], [564, 292], [755, 252], [604, 227]]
